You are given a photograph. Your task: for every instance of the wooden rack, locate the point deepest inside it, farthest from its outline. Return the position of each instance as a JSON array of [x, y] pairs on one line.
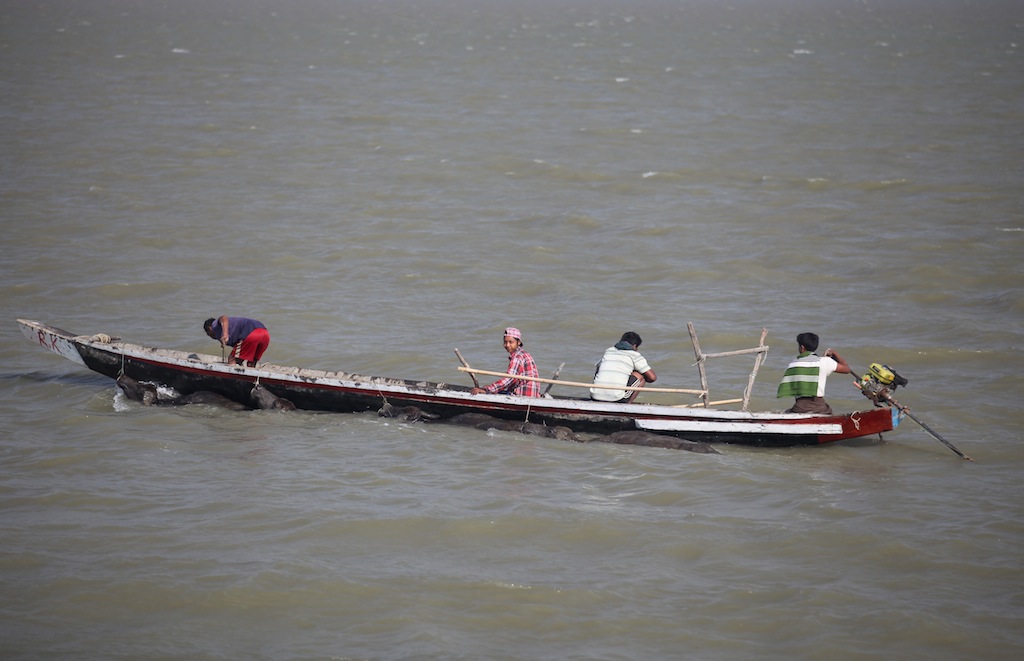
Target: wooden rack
[[761, 350]]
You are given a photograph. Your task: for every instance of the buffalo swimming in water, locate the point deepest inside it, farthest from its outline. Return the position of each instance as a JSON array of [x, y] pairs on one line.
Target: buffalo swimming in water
[[147, 395], [652, 440], [484, 421], [405, 413], [264, 399]]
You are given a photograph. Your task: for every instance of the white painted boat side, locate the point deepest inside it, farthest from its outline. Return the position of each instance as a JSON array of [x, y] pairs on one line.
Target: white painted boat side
[[739, 427]]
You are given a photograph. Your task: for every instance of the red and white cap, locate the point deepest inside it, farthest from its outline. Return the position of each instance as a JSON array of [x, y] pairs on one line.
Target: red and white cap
[[514, 332]]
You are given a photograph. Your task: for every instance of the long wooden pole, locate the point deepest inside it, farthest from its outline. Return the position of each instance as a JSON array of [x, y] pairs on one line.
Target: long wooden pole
[[700, 362], [554, 377], [741, 352], [577, 383], [715, 403], [762, 351], [463, 361]]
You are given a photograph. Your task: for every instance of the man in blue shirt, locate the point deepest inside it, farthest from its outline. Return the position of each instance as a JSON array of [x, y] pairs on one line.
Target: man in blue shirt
[[247, 338]]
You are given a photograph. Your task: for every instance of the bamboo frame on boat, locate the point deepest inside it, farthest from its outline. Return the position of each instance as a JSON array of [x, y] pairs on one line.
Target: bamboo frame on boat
[[761, 350]]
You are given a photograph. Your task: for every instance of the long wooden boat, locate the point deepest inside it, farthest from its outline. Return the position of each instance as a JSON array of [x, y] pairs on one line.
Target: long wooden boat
[[337, 391]]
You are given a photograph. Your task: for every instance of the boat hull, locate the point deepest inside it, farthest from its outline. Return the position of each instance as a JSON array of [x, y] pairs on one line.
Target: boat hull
[[341, 392]]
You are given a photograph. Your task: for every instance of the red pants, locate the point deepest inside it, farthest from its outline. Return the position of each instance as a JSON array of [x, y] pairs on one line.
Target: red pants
[[252, 347]]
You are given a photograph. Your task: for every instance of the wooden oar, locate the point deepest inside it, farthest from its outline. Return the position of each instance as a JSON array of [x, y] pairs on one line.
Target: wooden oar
[[577, 384], [716, 403], [466, 365], [904, 410], [554, 377]]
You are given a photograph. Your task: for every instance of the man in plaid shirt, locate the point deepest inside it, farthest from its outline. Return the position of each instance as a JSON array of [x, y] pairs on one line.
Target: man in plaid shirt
[[520, 363]]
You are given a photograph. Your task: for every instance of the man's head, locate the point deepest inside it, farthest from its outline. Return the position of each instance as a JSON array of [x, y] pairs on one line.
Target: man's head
[[208, 327], [809, 341], [512, 339], [632, 338]]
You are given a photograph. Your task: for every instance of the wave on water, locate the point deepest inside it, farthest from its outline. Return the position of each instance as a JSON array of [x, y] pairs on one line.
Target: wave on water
[[133, 290]]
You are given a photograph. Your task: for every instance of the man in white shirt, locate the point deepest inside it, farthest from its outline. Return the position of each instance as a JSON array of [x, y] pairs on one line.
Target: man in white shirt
[[622, 365]]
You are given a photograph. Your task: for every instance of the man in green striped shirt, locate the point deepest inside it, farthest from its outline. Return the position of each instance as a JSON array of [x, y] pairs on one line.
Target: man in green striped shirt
[[805, 377]]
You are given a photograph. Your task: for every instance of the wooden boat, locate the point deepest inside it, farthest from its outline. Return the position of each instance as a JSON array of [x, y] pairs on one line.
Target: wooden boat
[[336, 391]]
